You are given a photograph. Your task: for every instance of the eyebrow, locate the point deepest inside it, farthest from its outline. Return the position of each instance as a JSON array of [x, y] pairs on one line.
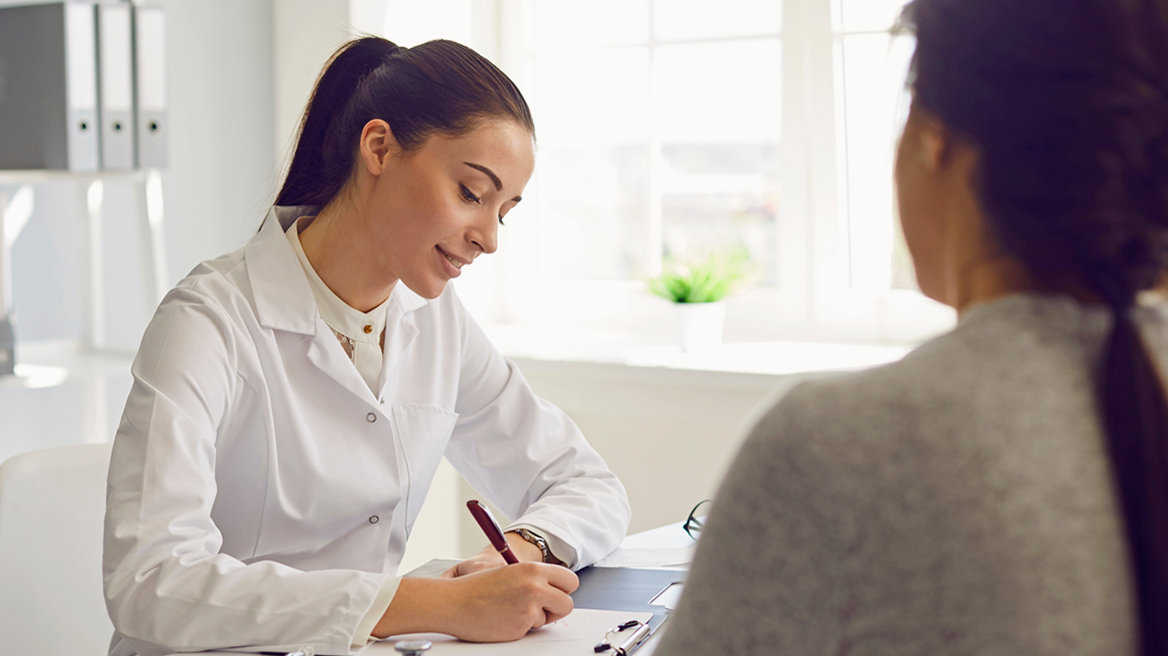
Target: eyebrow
[[494, 178]]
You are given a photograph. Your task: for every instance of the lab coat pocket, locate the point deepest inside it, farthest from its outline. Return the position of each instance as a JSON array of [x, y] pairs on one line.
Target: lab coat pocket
[[422, 432]]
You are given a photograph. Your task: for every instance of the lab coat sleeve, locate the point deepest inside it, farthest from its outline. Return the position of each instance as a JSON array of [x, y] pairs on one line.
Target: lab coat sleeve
[[529, 458], [167, 586]]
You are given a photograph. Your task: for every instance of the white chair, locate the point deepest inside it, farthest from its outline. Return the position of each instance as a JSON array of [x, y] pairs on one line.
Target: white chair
[[52, 508]]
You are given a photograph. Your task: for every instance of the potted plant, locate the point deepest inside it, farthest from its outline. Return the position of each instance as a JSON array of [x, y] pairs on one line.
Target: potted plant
[[697, 289]]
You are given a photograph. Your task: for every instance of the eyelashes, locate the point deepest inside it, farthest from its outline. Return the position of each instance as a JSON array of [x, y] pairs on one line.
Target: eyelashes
[[469, 197]]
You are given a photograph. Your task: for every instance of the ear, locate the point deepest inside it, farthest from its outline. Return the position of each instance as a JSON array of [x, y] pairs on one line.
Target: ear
[[935, 142], [377, 146]]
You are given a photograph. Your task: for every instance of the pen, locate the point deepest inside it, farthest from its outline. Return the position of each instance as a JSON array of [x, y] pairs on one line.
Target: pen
[[495, 534]]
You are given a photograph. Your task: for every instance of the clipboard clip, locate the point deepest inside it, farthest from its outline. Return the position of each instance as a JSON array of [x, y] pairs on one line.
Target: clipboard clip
[[640, 631]]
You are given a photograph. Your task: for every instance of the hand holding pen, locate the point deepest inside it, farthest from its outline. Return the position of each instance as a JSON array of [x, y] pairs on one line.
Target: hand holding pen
[[499, 601]]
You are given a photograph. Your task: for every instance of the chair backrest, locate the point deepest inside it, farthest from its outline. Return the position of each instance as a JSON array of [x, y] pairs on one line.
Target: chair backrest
[[52, 509]]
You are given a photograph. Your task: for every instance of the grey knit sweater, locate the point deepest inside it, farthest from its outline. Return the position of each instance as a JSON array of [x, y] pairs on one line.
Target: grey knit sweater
[[959, 501]]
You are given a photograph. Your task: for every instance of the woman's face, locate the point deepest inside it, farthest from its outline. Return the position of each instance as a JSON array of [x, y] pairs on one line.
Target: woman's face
[[434, 210]]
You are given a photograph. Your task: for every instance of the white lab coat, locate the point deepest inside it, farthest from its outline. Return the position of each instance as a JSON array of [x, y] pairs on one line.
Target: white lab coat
[[260, 494]]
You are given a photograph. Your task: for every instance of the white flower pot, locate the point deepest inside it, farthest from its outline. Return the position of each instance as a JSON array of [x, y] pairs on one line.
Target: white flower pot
[[701, 324]]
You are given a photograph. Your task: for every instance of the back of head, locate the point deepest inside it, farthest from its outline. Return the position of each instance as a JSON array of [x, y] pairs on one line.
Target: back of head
[[438, 87], [1066, 102]]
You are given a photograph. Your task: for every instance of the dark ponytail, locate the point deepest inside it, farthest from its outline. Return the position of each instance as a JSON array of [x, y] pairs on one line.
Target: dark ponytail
[[439, 87], [1067, 104]]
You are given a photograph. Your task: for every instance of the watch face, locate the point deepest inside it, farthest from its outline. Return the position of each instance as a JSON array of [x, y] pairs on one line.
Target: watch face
[[412, 646]]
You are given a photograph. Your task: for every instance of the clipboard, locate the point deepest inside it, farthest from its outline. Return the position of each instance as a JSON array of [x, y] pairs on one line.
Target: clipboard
[[625, 589]]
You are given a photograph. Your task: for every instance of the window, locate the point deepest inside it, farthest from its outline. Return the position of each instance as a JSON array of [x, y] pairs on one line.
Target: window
[[668, 128], [870, 70], [640, 158]]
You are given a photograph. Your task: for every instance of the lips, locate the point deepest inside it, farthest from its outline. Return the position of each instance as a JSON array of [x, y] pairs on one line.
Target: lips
[[454, 263]]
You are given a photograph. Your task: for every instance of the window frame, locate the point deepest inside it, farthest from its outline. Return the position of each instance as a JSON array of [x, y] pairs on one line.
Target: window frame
[[814, 298]]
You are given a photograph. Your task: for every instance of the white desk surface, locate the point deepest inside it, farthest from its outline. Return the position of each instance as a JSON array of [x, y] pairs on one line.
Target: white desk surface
[[586, 623]]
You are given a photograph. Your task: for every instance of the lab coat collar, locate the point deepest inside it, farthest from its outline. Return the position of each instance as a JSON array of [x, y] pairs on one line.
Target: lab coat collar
[[283, 296]]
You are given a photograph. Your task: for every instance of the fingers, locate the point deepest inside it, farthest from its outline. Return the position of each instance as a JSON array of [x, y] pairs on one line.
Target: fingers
[[558, 607], [562, 578]]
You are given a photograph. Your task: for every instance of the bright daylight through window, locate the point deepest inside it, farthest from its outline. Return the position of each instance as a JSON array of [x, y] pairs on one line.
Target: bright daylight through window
[[676, 128]]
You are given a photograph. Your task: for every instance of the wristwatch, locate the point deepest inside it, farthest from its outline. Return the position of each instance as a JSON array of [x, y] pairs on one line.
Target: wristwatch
[[539, 541]]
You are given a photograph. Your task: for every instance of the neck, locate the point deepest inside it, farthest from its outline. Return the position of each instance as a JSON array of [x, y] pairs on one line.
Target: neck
[[339, 249], [988, 280], [985, 280]]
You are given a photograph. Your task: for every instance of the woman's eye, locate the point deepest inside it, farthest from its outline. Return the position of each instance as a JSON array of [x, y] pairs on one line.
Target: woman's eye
[[469, 195]]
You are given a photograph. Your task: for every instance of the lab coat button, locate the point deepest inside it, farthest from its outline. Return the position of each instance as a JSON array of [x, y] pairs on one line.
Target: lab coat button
[[368, 329], [371, 417], [381, 401], [374, 519]]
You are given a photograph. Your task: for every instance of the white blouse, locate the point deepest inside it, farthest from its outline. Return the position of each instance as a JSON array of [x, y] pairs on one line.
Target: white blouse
[[360, 333]]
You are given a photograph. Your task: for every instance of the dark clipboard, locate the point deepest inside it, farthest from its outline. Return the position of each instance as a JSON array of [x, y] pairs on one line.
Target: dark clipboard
[[625, 588]]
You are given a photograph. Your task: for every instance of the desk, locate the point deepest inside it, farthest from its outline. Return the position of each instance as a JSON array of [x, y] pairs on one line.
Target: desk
[[576, 634], [670, 536]]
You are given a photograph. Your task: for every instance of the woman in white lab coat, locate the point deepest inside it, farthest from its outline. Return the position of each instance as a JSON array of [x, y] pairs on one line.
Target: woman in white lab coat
[[293, 399]]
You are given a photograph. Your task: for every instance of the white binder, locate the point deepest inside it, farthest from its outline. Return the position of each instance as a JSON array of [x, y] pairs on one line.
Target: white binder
[[81, 86], [150, 85], [48, 87], [116, 88]]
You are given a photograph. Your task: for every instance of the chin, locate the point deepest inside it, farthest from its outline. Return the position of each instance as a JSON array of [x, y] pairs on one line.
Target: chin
[[428, 289]]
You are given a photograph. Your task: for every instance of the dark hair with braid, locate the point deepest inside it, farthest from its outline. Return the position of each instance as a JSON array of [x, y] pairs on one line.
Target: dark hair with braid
[[438, 87], [1067, 104]]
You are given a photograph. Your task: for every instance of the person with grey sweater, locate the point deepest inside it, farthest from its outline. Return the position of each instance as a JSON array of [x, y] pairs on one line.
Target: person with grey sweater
[[1004, 488]]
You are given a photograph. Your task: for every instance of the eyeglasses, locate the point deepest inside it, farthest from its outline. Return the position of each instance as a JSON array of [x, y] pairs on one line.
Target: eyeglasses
[[693, 524], [629, 643]]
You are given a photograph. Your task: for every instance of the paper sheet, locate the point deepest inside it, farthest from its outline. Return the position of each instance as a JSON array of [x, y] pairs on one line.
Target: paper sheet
[[575, 635], [663, 557]]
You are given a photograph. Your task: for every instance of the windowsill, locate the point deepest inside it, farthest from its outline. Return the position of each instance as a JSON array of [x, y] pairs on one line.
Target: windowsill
[[774, 358]]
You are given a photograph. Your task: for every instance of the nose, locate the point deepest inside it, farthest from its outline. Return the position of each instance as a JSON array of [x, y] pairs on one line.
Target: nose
[[485, 237]]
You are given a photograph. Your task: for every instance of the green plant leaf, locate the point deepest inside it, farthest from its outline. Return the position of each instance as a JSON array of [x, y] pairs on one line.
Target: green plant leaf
[[707, 280]]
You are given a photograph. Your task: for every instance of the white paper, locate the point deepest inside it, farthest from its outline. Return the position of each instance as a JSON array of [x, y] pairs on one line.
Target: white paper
[[663, 557], [575, 635]]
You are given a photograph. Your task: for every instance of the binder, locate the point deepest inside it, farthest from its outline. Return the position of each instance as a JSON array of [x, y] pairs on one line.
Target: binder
[[150, 86], [116, 85], [48, 87]]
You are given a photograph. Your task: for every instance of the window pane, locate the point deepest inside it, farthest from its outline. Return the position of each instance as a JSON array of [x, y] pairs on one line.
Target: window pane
[[718, 114], [592, 121], [869, 15], [875, 101], [701, 19], [594, 23], [720, 92], [409, 23]]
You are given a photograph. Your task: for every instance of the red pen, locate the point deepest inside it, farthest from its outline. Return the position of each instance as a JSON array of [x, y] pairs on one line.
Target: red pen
[[495, 534]]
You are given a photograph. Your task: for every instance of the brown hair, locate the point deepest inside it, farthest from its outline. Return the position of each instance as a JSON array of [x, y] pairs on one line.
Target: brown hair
[[436, 87]]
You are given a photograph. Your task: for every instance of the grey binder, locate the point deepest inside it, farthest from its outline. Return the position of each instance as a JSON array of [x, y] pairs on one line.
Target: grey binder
[[48, 87], [116, 85], [150, 86]]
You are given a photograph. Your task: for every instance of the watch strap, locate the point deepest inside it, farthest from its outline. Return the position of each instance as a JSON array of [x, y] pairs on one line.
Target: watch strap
[[539, 541]]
